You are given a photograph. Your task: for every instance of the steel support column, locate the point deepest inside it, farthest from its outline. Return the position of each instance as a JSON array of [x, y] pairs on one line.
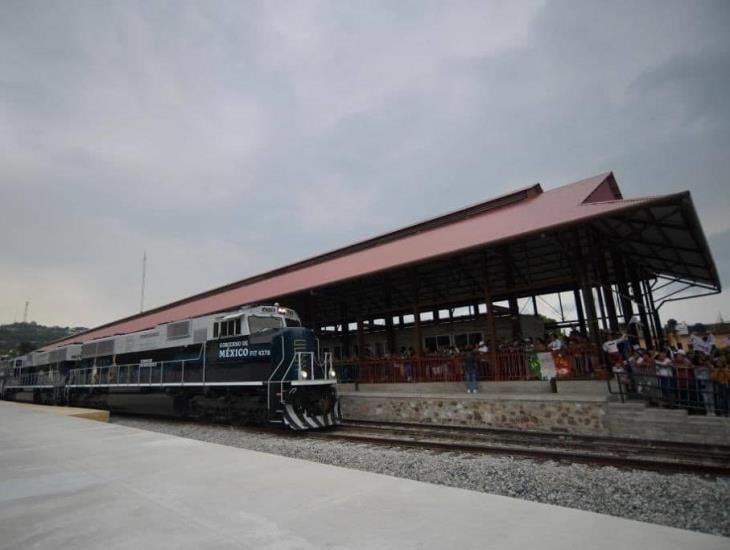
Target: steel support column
[[492, 331], [389, 328], [638, 297], [416, 282], [312, 313], [514, 311], [607, 293], [345, 339], [579, 311], [601, 307], [390, 334], [627, 308], [591, 318], [419, 337], [360, 340], [660, 339]]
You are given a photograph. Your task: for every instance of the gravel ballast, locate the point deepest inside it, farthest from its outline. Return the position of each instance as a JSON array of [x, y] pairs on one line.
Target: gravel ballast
[[686, 501]]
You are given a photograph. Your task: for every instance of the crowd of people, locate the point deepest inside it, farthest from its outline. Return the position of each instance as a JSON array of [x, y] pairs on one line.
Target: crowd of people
[[675, 377], [696, 378]]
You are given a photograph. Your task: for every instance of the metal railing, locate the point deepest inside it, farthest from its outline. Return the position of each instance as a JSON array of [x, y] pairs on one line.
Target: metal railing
[[164, 373], [37, 379], [681, 388], [583, 362], [306, 363], [302, 360]]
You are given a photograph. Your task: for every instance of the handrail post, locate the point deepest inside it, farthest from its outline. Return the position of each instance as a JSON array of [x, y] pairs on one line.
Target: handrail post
[[620, 387], [205, 353]]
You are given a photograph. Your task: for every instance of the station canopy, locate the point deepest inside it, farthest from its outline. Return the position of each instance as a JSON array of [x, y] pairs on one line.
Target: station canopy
[[524, 243]]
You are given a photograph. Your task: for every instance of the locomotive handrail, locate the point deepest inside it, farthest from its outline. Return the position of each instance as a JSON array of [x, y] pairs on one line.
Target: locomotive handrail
[[105, 373], [291, 363], [147, 374], [45, 379], [268, 384], [298, 355], [297, 358]]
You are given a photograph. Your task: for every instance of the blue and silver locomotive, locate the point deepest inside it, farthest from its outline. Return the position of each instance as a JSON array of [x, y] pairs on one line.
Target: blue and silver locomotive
[[254, 364]]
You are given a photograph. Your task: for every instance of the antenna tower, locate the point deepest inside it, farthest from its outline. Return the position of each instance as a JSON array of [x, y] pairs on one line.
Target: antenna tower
[[25, 314], [144, 272]]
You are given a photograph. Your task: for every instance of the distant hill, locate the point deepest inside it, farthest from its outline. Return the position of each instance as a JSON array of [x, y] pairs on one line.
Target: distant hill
[[21, 337]]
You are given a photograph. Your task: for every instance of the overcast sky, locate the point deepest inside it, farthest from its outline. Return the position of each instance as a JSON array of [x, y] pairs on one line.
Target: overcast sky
[[228, 138]]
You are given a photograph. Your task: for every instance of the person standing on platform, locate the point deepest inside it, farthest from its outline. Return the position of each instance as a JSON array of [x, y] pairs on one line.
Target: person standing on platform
[[470, 370]]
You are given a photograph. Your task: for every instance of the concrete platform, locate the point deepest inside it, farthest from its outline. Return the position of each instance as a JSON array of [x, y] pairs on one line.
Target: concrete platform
[[67, 483], [89, 414]]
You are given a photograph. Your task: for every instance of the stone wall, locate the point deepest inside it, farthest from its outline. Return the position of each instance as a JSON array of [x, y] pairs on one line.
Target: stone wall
[[554, 413], [637, 421], [543, 415]]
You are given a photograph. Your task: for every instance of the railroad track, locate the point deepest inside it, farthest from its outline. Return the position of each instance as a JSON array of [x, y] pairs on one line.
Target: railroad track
[[621, 453]]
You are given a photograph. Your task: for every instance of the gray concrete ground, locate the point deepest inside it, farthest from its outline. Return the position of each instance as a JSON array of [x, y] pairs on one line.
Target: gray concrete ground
[[73, 483]]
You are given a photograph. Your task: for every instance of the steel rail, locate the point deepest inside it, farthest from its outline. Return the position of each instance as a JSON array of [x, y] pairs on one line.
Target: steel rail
[[593, 450], [624, 453]]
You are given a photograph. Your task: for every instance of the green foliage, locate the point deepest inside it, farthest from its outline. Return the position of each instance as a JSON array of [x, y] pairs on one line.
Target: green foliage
[[24, 347], [20, 338]]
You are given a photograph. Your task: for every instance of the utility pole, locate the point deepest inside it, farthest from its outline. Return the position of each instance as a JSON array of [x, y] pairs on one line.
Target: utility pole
[[25, 314], [144, 269]]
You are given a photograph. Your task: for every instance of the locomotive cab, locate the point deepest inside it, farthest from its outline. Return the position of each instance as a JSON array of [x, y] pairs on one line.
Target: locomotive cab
[[269, 344]]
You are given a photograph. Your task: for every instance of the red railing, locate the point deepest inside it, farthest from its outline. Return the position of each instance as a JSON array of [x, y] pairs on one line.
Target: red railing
[[584, 361], [510, 366]]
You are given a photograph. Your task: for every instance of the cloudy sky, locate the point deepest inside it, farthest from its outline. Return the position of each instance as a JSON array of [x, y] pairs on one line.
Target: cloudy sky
[[227, 138]]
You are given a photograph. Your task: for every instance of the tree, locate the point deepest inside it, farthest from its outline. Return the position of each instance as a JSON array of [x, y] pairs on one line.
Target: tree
[[699, 328], [25, 347]]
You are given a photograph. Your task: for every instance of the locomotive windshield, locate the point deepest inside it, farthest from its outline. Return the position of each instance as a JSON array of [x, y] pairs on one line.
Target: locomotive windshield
[[257, 323]]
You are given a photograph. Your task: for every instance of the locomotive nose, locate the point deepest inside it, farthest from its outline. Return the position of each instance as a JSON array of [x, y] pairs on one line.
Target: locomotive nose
[[318, 407]]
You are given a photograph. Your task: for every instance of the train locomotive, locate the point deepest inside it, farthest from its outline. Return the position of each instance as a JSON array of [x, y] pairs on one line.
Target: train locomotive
[[255, 364]]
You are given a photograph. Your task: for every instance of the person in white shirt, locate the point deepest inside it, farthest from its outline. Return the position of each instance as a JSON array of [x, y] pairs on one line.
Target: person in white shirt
[[665, 377], [556, 344]]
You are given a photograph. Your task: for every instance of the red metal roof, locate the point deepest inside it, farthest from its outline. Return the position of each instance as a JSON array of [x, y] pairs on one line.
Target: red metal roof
[[529, 210]]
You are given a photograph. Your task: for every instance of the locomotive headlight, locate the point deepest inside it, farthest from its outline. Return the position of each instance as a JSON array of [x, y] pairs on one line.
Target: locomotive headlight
[[303, 374], [281, 309], [333, 374]]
